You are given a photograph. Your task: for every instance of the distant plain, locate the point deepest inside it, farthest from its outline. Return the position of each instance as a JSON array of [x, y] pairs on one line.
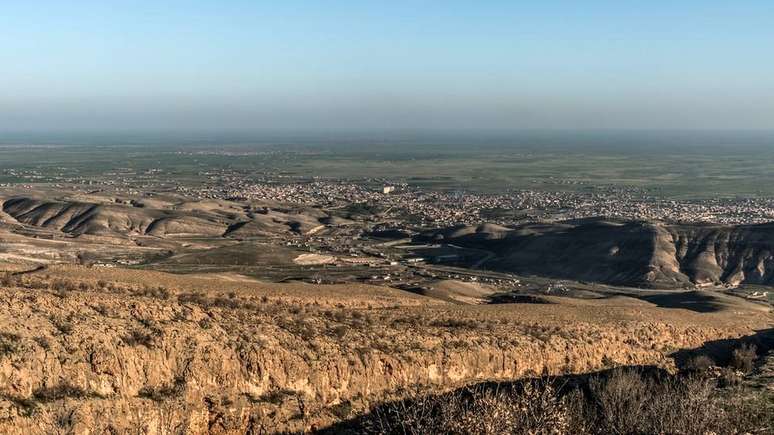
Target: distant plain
[[684, 166]]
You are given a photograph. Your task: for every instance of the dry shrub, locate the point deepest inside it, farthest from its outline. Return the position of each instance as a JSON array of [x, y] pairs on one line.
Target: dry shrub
[[9, 343], [629, 402], [699, 363], [192, 298], [8, 279], [729, 377], [532, 408], [62, 287], [159, 292], [743, 358], [43, 342], [63, 324], [59, 392], [141, 337], [215, 302], [275, 397], [101, 309], [164, 392], [623, 401], [454, 323], [303, 328], [34, 283], [340, 331]]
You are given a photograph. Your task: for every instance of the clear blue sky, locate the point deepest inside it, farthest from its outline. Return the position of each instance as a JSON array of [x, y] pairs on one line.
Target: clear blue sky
[[377, 64]]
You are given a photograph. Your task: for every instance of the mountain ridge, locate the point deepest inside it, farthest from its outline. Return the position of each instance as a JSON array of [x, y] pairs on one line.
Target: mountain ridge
[[638, 253]]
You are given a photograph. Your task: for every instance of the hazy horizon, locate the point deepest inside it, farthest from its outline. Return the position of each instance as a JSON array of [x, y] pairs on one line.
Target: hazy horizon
[[412, 141], [303, 65]]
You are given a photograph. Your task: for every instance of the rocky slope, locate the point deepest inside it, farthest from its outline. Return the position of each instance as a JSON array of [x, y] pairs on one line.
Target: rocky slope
[[648, 254], [89, 350]]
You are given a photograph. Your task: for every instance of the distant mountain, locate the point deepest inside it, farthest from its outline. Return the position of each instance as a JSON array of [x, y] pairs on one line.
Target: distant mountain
[[645, 254]]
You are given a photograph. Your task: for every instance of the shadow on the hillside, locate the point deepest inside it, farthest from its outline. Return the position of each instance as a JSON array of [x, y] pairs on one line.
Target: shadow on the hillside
[[718, 350], [517, 298], [563, 384], [694, 301]]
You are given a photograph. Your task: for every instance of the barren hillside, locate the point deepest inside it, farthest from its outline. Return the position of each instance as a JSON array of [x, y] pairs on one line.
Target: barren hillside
[[124, 218], [649, 254], [134, 351]]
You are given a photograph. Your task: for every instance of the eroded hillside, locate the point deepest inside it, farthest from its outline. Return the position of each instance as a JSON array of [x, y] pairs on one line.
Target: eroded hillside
[[101, 350], [172, 232], [158, 218], [650, 254]]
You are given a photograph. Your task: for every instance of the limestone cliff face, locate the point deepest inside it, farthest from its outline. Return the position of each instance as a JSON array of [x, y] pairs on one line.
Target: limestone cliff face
[[631, 253], [114, 360]]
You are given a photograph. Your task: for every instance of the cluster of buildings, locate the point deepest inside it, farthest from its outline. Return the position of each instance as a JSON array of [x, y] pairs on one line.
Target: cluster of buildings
[[442, 208], [422, 207]]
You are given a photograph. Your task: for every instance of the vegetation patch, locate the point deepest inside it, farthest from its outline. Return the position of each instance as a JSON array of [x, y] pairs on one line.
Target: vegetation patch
[[164, 392], [275, 397], [138, 337], [620, 401], [9, 344], [61, 391]]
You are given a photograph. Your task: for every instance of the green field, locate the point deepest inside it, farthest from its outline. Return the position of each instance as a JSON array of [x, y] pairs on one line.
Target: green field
[[664, 169]]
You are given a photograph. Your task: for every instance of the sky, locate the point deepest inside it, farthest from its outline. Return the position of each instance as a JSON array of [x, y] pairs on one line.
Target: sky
[[330, 64]]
